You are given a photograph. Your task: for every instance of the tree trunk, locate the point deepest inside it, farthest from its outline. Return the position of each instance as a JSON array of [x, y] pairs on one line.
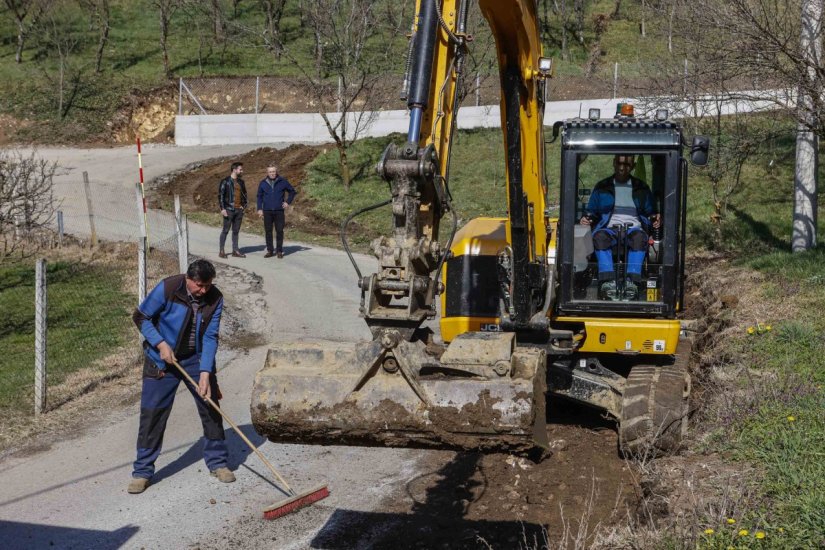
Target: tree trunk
[[564, 30], [21, 39], [343, 164], [164, 33], [805, 181], [644, 34], [104, 34]]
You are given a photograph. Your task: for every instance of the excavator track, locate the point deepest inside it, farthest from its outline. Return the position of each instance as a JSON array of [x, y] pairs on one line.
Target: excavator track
[[655, 407]]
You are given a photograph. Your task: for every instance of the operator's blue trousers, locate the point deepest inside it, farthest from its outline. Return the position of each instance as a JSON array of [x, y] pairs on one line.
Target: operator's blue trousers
[[156, 401], [605, 239]]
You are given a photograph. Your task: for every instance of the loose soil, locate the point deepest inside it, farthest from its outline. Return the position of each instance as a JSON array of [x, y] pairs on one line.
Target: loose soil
[[470, 500]]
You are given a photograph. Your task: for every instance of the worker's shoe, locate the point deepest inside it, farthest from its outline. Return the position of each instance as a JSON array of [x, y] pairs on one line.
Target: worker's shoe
[[608, 291], [221, 254], [269, 254], [224, 475], [280, 254], [137, 485], [238, 254], [631, 291]]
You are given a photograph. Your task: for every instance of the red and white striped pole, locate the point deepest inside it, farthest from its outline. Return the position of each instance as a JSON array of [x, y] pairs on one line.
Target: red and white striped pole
[[142, 191]]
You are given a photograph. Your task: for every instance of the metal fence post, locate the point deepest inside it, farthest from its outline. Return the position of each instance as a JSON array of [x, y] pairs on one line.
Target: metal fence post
[[686, 78], [478, 89], [257, 93], [182, 255], [60, 228], [40, 315], [88, 190], [142, 246], [180, 96], [340, 102], [615, 79], [185, 243]]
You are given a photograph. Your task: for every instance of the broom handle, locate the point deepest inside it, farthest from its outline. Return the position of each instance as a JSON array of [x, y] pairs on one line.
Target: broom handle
[[237, 430]]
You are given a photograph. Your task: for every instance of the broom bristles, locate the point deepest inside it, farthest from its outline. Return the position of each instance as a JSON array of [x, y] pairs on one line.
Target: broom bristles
[[298, 501]]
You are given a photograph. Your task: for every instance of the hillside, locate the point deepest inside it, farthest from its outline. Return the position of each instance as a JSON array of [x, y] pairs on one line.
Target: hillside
[[78, 83]]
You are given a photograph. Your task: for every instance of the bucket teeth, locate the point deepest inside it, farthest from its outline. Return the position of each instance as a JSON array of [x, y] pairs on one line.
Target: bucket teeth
[[364, 394]]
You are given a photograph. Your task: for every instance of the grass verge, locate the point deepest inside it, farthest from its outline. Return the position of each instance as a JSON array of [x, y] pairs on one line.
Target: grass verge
[[88, 319]]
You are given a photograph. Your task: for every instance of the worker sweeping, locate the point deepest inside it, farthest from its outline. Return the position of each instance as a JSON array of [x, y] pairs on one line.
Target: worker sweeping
[[179, 320]]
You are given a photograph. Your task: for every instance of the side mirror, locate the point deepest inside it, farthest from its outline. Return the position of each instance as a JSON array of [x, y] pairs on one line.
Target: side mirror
[[699, 150]]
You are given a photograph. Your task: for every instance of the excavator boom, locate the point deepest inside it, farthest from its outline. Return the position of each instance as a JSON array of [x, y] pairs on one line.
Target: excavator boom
[[401, 388]]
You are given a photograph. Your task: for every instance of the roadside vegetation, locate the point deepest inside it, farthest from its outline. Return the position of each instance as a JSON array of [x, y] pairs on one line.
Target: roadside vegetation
[[88, 320]]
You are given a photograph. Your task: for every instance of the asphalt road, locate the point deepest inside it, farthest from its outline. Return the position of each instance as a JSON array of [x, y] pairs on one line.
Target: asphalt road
[[73, 495]]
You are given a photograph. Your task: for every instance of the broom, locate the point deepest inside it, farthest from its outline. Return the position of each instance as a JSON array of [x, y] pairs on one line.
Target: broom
[[295, 501]]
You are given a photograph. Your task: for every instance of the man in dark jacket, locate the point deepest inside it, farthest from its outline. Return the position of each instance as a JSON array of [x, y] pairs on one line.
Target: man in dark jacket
[[620, 204], [179, 320], [274, 195], [232, 203]]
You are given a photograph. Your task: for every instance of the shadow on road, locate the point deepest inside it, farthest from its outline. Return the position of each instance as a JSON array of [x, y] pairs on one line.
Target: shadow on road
[[30, 535], [437, 519], [238, 452]]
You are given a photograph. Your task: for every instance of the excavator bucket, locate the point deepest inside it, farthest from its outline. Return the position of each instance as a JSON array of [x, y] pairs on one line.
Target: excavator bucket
[[481, 394]]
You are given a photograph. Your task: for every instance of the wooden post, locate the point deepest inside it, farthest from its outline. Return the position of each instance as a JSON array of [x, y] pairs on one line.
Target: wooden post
[[88, 190], [257, 92], [185, 241], [615, 79], [478, 89], [60, 228], [40, 315], [180, 237]]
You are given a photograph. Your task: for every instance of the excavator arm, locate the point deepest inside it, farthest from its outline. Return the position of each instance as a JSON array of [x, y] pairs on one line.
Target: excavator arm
[[401, 389]]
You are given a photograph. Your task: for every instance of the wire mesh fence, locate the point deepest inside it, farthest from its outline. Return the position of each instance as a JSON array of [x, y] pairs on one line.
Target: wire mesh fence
[[265, 94], [84, 309]]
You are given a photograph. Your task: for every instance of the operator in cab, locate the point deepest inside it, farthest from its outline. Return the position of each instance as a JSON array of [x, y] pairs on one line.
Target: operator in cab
[[621, 207]]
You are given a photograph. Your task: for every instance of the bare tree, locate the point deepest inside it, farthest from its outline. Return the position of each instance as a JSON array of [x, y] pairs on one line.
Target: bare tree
[[273, 11], [352, 57], [218, 20], [100, 17], [58, 33], [166, 8], [777, 44], [26, 200], [26, 14]]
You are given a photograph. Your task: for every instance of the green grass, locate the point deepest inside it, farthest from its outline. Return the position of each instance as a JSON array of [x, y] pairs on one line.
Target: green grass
[[88, 318]]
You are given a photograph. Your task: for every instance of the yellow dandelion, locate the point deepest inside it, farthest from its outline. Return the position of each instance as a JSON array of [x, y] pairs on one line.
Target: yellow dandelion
[[743, 532], [759, 535], [708, 531], [768, 327], [730, 548], [791, 418], [751, 330], [731, 521], [781, 529]]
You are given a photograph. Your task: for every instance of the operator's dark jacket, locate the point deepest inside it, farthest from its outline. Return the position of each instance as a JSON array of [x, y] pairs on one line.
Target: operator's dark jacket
[[271, 194], [226, 193], [165, 315]]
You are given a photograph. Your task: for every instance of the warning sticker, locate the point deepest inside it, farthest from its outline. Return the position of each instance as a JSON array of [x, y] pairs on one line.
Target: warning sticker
[[658, 345]]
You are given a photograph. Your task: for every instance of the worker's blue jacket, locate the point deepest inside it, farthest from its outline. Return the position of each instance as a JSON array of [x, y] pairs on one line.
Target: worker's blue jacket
[[165, 315]]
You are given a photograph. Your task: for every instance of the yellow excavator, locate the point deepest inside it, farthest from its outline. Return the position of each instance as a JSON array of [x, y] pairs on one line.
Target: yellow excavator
[[522, 313]]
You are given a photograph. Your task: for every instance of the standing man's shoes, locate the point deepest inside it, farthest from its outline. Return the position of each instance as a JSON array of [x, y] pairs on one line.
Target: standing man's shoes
[[280, 254], [224, 475], [137, 485], [269, 254], [221, 254], [238, 254]]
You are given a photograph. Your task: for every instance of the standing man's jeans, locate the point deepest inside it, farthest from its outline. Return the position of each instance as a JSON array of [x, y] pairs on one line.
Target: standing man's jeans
[[233, 220], [156, 400], [277, 218]]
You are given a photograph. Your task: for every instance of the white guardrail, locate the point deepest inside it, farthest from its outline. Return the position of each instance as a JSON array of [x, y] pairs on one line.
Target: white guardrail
[[310, 128]]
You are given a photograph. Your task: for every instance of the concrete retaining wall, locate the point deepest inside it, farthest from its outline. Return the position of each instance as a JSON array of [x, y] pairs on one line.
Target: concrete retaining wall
[[310, 128]]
